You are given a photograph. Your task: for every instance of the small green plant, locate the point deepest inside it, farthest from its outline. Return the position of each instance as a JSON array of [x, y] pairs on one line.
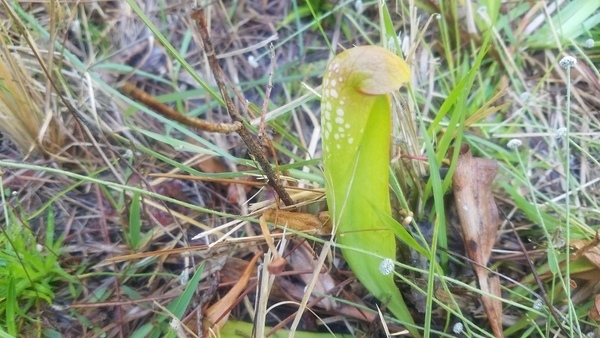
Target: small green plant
[[30, 271], [356, 121]]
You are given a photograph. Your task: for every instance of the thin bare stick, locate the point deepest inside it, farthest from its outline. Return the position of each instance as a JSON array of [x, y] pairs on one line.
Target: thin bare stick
[[253, 147], [263, 113], [262, 133], [553, 311], [132, 91]]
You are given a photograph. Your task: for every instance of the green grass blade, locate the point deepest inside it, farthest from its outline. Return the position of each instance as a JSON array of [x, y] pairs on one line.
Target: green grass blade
[[11, 306], [135, 221], [173, 52]]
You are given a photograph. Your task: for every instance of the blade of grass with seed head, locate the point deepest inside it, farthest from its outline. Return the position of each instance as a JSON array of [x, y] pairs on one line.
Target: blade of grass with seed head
[[356, 122]]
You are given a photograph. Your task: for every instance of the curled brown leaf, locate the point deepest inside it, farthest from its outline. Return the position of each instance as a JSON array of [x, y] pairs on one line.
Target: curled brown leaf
[[478, 214]]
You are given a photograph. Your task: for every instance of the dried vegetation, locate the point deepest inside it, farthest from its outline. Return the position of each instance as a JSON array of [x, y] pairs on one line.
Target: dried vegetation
[[155, 227]]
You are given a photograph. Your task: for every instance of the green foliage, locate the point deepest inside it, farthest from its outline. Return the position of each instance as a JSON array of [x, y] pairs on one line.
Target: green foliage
[[30, 271], [306, 8], [175, 309], [237, 329], [135, 222], [568, 23]]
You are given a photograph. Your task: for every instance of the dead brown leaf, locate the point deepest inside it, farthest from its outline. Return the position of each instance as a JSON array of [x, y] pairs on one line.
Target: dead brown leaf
[[319, 225], [304, 259], [594, 312], [587, 249], [478, 214]]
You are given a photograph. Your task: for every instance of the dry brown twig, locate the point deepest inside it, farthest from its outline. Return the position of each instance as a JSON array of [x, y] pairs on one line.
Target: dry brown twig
[[238, 125], [261, 127], [132, 91], [553, 310], [254, 148]]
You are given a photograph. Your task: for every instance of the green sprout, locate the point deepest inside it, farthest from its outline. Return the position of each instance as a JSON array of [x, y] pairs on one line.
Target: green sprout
[[356, 120]]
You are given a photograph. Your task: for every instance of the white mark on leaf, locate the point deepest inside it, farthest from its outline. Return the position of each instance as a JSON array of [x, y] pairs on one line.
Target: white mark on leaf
[[386, 266]]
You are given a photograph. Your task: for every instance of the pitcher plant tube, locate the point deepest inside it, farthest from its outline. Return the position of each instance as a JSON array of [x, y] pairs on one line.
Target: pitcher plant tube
[[356, 115]]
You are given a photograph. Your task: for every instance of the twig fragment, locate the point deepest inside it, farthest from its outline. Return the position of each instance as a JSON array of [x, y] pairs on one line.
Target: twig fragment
[[132, 91], [263, 113]]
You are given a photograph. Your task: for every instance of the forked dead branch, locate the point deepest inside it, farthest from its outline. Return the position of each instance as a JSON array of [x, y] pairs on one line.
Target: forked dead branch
[[254, 148], [238, 125]]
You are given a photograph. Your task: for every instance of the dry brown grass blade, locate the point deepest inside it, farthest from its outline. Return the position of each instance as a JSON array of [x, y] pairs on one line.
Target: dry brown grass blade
[[277, 264], [251, 241], [21, 115], [487, 109], [478, 214]]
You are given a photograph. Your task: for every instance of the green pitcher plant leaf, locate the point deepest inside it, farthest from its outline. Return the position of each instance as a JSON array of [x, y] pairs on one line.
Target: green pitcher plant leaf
[[356, 116]]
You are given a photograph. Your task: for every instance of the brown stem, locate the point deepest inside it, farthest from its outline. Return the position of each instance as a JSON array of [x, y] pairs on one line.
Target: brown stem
[[253, 147], [261, 128], [553, 311], [132, 91]]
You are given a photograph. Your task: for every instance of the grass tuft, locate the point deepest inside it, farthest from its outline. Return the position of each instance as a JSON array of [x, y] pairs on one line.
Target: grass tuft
[[26, 119]]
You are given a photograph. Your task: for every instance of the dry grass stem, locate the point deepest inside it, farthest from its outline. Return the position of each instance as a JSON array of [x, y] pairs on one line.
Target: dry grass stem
[[22, 116]]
